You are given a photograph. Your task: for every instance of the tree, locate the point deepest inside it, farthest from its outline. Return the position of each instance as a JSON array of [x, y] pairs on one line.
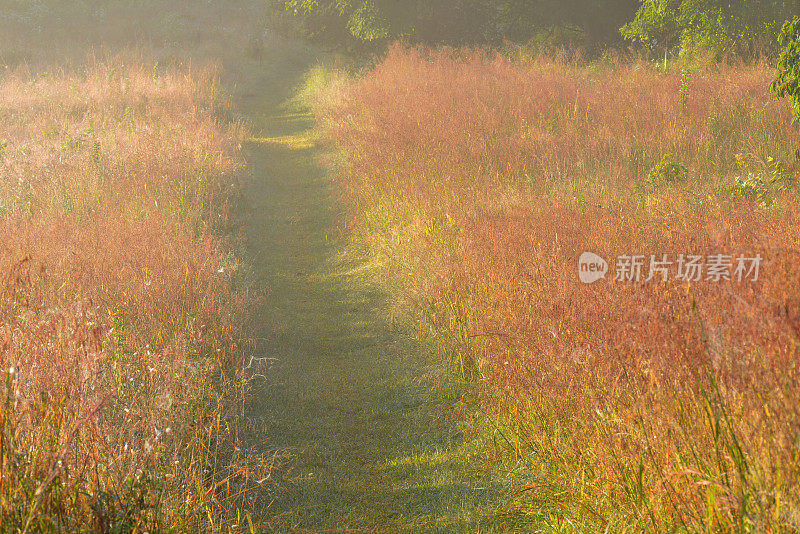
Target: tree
[[656, 24], [720, 26], [787, 83]]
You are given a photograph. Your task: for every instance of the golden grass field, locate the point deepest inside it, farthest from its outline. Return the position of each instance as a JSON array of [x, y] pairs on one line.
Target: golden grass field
[[163, 218], [479, 180], [121, 309]]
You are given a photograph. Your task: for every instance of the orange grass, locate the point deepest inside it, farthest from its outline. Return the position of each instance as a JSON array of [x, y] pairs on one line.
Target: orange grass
[[655, 406], [121, 311]]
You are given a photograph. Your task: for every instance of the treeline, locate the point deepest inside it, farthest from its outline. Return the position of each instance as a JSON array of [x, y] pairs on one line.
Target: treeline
[[719, 26]]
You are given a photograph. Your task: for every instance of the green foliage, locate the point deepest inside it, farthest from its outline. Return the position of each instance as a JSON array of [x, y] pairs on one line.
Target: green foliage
[[763, 180], [656, 24], [95, 155], [720, 26], [690, 26], [355, 22], [668, 171], [788, 81], [458, 22], [368, 23]]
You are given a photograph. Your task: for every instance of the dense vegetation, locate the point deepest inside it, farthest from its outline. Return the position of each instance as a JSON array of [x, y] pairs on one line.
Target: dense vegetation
[[689, 26], [121, 322], [660, 405], [654, 403], [477, 178], [460, 21]]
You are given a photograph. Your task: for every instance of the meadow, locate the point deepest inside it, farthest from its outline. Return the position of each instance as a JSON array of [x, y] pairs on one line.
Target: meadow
[[121, 303], [478, 179]]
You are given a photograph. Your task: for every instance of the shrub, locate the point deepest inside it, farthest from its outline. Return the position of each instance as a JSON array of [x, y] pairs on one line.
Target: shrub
[[667, 171]]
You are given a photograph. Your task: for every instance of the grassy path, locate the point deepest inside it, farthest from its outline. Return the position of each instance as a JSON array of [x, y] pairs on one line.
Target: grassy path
[[346, 392]]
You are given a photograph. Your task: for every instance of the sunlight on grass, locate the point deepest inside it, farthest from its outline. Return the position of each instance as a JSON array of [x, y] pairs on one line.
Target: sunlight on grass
[[123, 318], [479, 180], [291, 142]]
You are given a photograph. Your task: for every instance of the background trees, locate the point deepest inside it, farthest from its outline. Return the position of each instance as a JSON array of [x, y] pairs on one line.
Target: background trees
[[720, 26], [788, 81], [355, 22]]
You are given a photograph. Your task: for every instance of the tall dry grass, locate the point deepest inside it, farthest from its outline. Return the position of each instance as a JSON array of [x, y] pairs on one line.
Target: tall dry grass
[[121, 306], [652, 406]]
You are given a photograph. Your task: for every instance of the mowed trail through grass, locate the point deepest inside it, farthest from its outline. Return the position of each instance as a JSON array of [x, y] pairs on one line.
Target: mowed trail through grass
[[345, 392]]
